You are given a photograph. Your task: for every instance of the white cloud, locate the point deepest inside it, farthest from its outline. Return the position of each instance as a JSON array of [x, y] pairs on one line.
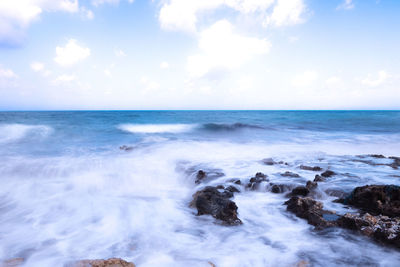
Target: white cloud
[[164, 65], [7, 73], [149, 85], [286, 12], [107, 72], [101, 2], [65, 78], [379, 79], [17, 15], [305, 79], [347, 4], [87, 13], [71, 53], [37, 66], [222, 49], [119, 53], [183, 15]]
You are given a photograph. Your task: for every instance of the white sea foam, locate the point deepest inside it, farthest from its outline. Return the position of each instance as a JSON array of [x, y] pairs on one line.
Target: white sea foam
[[16, 132], [156, 128]]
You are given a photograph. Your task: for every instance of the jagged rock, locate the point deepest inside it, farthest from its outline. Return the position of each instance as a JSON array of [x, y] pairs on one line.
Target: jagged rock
[[113, 262], [376, 199], [309, 168], [311, 185], [328, 173], [256, 180], [378, 156], [319, 178], [210, 201], [279, 188], [290, 174], [381, 228], [311, 210], [238, 182], [396, 162], [232, 189], [300, 191]]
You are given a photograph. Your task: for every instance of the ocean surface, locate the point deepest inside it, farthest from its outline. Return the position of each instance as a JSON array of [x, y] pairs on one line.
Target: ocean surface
[[68, 192]]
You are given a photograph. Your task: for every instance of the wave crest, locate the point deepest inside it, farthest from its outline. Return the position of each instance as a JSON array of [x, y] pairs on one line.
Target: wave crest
[[229, 127], [156, 128], [16, 132]]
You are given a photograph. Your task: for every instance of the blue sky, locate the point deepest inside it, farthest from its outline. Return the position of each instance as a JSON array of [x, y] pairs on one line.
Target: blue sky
[[199, 54]]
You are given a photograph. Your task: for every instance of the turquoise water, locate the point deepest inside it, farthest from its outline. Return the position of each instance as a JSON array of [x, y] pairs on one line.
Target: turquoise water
[[69, 192]]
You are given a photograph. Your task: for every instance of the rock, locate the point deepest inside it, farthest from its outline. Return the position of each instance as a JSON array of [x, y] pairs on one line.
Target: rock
[[300, 191], [280, 188], [336, 193], [237, 182], [311, 210], [14, 262], [396, 162], [303, 263], [210, 201], [126, 148], [328, 173], [378, 156], [376, 199], [113, 262], [311, 185], [381, 228], [309, 168], [232, 189], [220, 187], [256, 180], [319, 178], [290, 174], [269, 161], [210, 174]]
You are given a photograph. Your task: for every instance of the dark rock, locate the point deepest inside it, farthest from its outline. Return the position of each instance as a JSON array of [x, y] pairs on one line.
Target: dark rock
[[300, 191], [220, 187], [376, 199], [200, 176], [210, 201], [396, 162], [336, 193], [290, 174], [378, 156], [311, 185], [269, 161], [232, 189], [328, 173], [309, 168], [319, 178], [279, 188], [381, 228], [113, 262], [256, 180], [238, 182], [311, 210], [209, 175], [126, 148]]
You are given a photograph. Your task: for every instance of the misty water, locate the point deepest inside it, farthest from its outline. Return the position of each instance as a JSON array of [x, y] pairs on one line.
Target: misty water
[[68, 192]]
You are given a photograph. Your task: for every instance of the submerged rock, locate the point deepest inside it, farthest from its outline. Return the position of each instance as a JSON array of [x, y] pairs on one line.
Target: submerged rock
[[309, 168], [113, 262], [319, 178], [311, 210], [210, 174], [328, 173], [311, 185], [14, 262], [126, 148], [256, 180], [300, 191], [280, 188], [376, 199], [396, 162], [290, 174], [211, 201]]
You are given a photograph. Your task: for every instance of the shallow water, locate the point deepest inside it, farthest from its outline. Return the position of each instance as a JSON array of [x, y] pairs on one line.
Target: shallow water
[[68, 192]]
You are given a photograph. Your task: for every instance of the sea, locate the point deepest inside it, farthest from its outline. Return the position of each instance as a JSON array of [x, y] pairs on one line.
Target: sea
[[99, 184]]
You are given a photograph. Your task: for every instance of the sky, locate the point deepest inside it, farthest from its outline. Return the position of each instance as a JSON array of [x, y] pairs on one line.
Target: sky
[[199, 54]]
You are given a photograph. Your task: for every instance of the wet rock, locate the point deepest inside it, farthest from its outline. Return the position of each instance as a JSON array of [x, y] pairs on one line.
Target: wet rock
[[309, 168], [280, 188], [300, 191], [319, 178], [290, 174], [14, 262], [220, 187], [269, 161], [126, 148], [396, 162], [381, 228], [376, 199], [201, 175], [255, 181], [328, 173], [210, 201], [377, 156], [311, 185], [237, 182], [336, 193], [113, 262], [311, 210], [232, 189]]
